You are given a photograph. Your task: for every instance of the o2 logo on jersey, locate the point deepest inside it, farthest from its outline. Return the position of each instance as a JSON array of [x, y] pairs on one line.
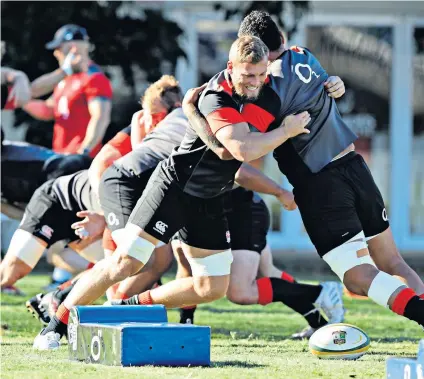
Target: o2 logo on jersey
[[303, 78], [112, 219], [63, 107]]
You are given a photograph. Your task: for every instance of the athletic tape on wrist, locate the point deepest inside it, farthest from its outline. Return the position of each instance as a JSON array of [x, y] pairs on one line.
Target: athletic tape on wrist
[[214, 265]]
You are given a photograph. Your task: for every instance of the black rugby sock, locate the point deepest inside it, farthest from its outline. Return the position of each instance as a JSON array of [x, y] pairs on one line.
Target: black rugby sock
[[187, 314], [298, 297], [414, 310], [55, 325], [283, 290], [62, 294]]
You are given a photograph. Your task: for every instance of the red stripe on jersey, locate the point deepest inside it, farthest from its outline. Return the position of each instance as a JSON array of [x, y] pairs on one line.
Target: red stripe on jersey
[[227, 87], [121, 142], [223, 117], [10, 103], [297, 49], [266, 80], [257, 116]]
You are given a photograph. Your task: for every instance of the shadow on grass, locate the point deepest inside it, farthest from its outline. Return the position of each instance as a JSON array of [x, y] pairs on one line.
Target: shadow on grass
[[394, 339], [16, 343], [244, 335], [238, 364], [387, 354], [241, 310]]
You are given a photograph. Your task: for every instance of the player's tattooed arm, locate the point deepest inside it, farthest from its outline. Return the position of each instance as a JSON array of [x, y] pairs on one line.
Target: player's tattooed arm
[[200, 124]]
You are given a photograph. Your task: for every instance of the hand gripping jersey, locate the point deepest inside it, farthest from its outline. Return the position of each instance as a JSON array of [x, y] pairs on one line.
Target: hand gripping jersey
[[298, 79], [197, 169]]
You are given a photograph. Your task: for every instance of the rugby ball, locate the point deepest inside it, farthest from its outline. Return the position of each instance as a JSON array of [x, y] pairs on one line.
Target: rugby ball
[[339, 341]]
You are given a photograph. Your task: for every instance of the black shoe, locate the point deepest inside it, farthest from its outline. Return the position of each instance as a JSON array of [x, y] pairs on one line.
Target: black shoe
[[33, 306], [187, 316]]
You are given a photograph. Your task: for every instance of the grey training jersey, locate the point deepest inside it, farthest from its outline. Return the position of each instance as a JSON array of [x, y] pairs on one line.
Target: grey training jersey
[[156, 146], [298, 79], [75, 194]]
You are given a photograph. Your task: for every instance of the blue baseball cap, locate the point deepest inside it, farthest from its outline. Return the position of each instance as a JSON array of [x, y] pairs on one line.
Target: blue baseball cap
[[67, 33]]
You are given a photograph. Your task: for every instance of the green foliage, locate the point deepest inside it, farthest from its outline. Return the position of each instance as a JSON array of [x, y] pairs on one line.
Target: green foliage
[[274, 8], [146, 43]]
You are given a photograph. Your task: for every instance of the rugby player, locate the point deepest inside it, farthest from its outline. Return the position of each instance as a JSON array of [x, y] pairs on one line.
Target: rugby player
[[249, 224], [124, 181], [340, 204], [186, 192]]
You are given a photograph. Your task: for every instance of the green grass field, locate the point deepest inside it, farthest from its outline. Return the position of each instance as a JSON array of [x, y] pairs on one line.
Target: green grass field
[[247, 342]]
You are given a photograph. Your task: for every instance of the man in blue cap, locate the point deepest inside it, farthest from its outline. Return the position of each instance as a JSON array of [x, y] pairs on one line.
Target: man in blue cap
[[81, 99]]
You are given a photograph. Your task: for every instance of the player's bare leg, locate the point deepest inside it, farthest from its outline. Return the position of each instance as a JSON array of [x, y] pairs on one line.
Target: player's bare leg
[[203, 287], [183, 271], [268, 269], [353, 264], [386, 256], [158, 264], [24, 252], [243, 289]]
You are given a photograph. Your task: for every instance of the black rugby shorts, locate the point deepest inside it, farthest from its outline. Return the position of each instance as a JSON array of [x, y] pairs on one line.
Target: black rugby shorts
[[45, 217], [119, 193], [249, 221], [339, 202], [164, 209]]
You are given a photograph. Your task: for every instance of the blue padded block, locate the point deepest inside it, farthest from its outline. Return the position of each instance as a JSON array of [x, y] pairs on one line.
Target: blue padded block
[[100, 314], [406, 367], [166, 344], [139, 344]]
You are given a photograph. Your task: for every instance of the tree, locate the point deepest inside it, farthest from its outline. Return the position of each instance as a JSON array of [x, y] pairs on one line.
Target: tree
[[274, 8], [148, 44]]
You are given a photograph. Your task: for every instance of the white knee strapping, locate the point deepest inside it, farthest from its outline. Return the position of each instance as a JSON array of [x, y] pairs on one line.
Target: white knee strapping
[[214, 265], [382, 287], [118, 236], [130, 243], [26, 247], [345, 257], [93, 252]]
